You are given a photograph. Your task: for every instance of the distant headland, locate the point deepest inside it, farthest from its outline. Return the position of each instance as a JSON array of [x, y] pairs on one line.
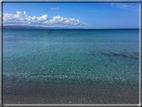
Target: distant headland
[[21, 27]]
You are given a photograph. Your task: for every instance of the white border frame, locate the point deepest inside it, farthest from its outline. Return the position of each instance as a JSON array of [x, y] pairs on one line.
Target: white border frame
[[94, 1]]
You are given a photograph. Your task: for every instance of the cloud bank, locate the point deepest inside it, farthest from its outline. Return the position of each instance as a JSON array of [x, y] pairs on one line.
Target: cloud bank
[[57, 21]]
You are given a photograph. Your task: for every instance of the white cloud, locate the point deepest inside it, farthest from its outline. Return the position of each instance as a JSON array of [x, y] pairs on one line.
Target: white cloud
[[124, 5], [120, 5], [134, 7], [57, 21], [24, 12], [54, 8]]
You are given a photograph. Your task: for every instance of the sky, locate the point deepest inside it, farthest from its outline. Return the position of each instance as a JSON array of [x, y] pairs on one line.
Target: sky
[[72, 15]]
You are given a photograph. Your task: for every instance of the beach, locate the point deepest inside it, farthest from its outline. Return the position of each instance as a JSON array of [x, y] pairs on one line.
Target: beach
[[43, 94]]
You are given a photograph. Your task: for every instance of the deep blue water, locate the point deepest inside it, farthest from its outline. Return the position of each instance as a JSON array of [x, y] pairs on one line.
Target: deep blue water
[[73, 58]]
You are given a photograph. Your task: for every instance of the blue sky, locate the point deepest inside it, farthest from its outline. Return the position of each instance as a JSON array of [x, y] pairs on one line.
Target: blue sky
[[72, 15]]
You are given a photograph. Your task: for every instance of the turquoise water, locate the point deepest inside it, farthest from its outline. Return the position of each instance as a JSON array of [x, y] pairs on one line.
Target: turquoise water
[[105, 58]]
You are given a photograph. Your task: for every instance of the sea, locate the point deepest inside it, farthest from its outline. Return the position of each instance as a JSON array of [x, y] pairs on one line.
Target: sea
[[98, 58]]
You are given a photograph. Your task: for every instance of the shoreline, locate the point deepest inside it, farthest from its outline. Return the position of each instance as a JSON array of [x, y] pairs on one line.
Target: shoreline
[[44, 94]]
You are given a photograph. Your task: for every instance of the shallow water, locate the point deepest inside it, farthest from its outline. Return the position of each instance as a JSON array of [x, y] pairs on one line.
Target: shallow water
[[102, 58]]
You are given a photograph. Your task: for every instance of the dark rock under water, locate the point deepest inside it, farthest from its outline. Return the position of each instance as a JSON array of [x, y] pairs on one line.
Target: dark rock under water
[[112, 54]]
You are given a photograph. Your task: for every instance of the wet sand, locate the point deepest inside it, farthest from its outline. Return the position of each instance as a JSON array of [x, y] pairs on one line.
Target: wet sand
[[44, 94]]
